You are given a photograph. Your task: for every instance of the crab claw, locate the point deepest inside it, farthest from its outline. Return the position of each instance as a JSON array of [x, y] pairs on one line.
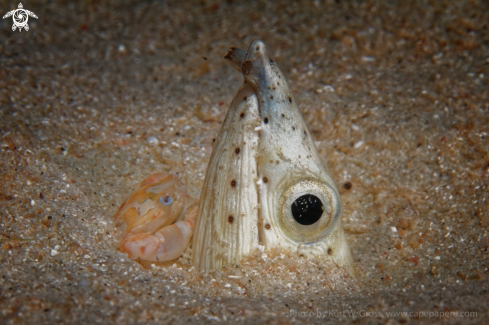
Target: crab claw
[[166, 244], [157, 220]]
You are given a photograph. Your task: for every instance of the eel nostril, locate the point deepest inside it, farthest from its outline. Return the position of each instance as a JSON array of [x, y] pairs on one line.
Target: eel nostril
[[246, 67]]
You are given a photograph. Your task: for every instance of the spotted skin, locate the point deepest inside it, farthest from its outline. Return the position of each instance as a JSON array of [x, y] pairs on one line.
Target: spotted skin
[[277, 163]]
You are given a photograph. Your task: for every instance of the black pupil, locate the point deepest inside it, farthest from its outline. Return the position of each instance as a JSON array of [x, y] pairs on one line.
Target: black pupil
[[307, 209]]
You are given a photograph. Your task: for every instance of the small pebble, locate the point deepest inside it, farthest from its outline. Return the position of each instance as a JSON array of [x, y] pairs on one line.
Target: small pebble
[[153, 141]]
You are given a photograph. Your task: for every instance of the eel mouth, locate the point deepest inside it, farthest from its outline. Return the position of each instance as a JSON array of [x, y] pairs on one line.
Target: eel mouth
[[235, 57]]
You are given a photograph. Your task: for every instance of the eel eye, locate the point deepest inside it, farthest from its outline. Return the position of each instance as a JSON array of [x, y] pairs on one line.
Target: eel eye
[[308, 209], [166, 200]]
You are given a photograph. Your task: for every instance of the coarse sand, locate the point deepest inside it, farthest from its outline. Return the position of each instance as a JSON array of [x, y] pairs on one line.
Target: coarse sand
[[98, 95]]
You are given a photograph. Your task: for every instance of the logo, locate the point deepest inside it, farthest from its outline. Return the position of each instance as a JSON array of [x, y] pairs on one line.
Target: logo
[[20, 16]]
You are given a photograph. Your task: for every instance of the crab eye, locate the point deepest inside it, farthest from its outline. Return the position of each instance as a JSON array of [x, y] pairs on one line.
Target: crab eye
[[308, 209], [166, 200]]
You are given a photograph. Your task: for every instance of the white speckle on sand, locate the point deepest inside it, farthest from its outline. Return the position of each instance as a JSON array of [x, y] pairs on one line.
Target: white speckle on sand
[[358, 144], [368, 58], [121, 49], [153, 141]]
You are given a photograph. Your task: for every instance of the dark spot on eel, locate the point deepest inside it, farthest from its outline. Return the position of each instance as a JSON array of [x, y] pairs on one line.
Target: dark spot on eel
[[230, 219], [241, 115], [267, 226], [265, 179], [330, 251], [266, 120], [290, 100], [237, 150], [347, 185], [233, 183]]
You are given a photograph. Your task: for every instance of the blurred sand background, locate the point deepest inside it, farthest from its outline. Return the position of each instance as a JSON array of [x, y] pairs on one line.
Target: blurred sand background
[[99, 94]]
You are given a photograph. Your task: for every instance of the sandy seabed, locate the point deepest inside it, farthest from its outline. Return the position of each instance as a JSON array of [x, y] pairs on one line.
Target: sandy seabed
[[98, 95]]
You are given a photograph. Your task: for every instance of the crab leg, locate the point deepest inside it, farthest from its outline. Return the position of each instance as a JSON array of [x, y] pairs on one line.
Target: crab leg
[[166, 244]]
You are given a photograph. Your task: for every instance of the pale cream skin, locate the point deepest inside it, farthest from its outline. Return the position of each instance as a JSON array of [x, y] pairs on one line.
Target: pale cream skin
[[263, 162], [157, 220]]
